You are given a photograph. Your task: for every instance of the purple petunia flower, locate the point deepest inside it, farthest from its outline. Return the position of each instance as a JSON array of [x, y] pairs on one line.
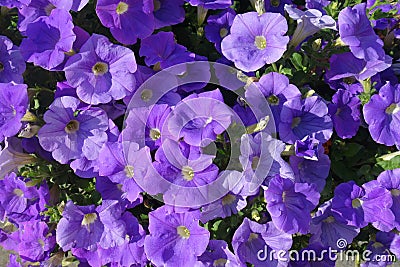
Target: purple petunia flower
[[276, 89], [127, 19], [218, 254], [382, 115], [307, 148], [309, 22], [358, 206], [255, 40], [327, 228], [226, 206], [13, 106], [123, 170], [198, 125], [34, 240], [39, 8], [168, 12], [184, 166], [302, 117], [71, 132], [80, 227], [290, 204], [12, 65], [311, 171], [218, 26], [345, 113], [211, 4], [48, 51], [101, 71], [356, 31], [346, 65], [390, 180], [251, 237], [20, 201], [162, 51], [175, 239], [152, 130], [260, 157], [379, 248]]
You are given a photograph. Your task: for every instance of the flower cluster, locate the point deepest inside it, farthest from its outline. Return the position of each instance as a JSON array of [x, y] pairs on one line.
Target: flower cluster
[[198, 132]]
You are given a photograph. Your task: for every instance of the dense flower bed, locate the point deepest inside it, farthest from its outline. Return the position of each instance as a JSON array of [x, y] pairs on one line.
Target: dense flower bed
[[199, 132]]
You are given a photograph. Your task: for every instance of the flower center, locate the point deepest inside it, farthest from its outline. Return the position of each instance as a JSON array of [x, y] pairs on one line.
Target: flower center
[[122, 7], [275, 3], [72, 126], [70, 52], [223, 32], [155, 134], [157, 5], [228, 199], [146, 95], [89, 219], [1, 67], [18, 192], [392, 109], [48, 9], [349, 80], [254, 162], [260, 42], [395, 192], [377, 245], [330, 219], [183, 232], [129, 171], [295, 122], [356, 203], [187, 173], [220, 262], [208, 121], [100, 68], [273, 100], [284, 193], [252, 237]]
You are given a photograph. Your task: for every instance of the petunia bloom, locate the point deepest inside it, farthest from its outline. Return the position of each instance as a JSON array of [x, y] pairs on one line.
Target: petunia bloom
[[128, 20], [80, 227], [302, 117], [255, 40], [383, 117], [345, 113], [13, 106], [251, 237], [356, 31], [175, 239], [290, 204], [327, 228], [346, 65], [101, 71], [71, 132], [309, 22], [218, 26], [49, 50], [12, 64], [168, 12]]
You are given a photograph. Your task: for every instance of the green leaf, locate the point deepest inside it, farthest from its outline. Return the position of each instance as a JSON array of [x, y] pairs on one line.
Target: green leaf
[[297, 61], [391, 164]]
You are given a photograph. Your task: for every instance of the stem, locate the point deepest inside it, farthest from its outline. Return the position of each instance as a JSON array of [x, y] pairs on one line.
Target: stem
[[274, 67]]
